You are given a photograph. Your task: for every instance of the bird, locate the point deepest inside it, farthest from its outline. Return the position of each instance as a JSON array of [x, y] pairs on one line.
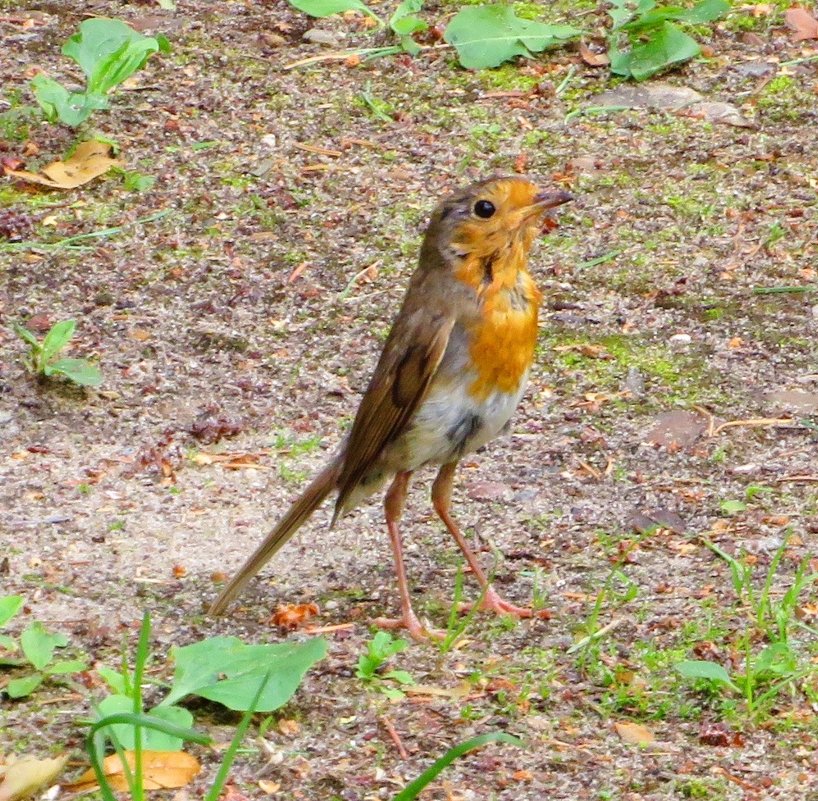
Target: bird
[[451, 373]]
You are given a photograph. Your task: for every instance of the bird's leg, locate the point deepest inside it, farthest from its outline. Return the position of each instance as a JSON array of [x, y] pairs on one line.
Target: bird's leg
[[441, 499], [393, 507]]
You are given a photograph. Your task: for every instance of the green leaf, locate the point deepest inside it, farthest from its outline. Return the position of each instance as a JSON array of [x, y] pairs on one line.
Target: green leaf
[[622, 11], [326, 8], [400, 676], [666, 46], [10, 605], [702, 669], [38, 644], [414, 789], [57, 103], [225, 670], [20, 688], [777, 659], [706, 11], [138, 182], [733, 507], [8, 644], [57, 338], [404, 22], [80, 371], [486, 36], [113, 678], [152, 739], [63, 666], [108, 51]]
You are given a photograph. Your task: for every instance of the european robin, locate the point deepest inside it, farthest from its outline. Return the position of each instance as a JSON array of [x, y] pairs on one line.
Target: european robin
[[451, 373]]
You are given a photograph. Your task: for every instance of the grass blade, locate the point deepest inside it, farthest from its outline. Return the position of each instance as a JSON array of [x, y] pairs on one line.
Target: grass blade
[[412, 790]]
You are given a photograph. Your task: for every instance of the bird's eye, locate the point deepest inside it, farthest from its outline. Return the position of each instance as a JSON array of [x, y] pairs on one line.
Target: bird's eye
[[484, 209]]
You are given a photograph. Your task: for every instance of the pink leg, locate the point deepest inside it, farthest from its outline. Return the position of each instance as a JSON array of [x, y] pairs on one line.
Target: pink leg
[[442, 500], [393, 505]]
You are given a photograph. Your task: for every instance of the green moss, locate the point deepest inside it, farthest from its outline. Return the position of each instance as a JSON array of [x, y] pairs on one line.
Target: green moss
[[785, 98]]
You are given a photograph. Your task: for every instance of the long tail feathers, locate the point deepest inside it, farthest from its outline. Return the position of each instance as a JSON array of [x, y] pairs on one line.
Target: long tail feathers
[[296, 516]]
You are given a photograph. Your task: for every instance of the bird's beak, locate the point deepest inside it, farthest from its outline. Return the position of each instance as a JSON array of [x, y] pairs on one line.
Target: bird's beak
[[551, 199]]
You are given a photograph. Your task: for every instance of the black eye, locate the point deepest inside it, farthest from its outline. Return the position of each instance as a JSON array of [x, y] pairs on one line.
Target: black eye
[[484, 209]]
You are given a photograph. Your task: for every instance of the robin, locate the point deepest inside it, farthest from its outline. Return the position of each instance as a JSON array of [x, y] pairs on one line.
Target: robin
[[451, 374]]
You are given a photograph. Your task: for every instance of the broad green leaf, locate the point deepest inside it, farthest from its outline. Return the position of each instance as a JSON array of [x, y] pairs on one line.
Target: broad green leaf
[[666, 46], [706, 11], [108, 51], [777, 658], [64, 666], [20, 688], [733, 507], [7, 643], [113, 678], [152, 739], [404, 22], [80, 371], [10, 605], [38, 644], [622, 11], [57, 103], [400, 676], [415, 788], [486, 36], [326, 8], [57, 338], [225, 670], [702, 669]]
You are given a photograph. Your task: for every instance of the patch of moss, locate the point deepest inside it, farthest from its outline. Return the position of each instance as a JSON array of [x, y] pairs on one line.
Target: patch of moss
[[785, 98]]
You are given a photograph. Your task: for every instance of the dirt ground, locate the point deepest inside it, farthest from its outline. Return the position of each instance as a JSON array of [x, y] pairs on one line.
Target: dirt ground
[[237, 329]]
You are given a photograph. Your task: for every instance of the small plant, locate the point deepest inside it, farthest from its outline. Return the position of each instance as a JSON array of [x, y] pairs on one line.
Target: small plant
[[38, 645], [415, 788], [645, 38], [42, 358], [108, 51], [483, 36], [379, 650]]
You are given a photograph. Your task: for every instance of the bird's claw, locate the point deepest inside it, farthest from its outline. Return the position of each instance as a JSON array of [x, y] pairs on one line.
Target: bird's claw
[[413, 627], [494, 602]]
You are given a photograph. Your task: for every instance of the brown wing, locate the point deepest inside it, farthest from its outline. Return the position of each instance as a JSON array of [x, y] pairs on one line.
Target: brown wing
[[407, 365]]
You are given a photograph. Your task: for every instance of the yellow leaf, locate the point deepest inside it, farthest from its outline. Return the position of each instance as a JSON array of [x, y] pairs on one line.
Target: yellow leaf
[[26, 775], [161, 770], [90, 160], [634, 733]]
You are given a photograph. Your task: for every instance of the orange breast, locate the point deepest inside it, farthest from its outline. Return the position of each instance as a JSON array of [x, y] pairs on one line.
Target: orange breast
[[504, 335]]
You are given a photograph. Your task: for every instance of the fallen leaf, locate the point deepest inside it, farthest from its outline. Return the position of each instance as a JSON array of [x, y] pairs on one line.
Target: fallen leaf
[[801, 23], [268, 786], [289, 727], [161, 770], [634, 733], [591, 58], [291, 616], [25, 775], [90, 160], [719, 734]]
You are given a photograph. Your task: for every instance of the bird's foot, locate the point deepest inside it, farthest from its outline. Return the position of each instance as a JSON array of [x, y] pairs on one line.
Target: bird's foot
[[493, 602], [410, 623]]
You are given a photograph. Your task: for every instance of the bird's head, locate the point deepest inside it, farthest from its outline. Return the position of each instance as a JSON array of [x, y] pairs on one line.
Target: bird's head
[[490, 217]]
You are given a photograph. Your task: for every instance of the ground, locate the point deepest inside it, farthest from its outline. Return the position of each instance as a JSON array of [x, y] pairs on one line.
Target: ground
[[239, 309]]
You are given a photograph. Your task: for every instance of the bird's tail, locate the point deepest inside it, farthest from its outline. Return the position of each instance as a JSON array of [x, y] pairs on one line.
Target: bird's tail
[[296, 516]]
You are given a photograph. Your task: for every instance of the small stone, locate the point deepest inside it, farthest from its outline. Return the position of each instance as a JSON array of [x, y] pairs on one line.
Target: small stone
[[322, 37], [681, 340]]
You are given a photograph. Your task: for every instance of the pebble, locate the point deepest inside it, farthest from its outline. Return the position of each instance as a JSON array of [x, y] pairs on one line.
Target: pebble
[[681, 340], [319, 36]]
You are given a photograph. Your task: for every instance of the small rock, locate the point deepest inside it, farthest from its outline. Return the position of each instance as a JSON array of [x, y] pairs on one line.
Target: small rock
[[635, 382], [678, 429], [322, 37], [680, 340], [755, 69], [792, 400]]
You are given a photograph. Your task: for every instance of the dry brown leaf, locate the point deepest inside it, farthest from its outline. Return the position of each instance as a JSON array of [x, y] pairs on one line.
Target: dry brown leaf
[[801, 23], [26, 775], [90, 160], [634, 733], [291, 616], [268, 786], [161, 770], [591, 58]]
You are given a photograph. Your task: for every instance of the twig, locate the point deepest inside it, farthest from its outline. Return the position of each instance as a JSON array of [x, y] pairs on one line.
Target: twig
[[598, 634], [755, 422], [798, 478], [393, 733]]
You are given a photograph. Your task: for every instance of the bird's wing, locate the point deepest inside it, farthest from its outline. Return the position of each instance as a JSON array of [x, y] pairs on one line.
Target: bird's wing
[[401, 380]]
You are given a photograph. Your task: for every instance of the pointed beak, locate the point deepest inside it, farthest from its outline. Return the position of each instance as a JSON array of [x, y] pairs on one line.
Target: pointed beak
[[552, 198]]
